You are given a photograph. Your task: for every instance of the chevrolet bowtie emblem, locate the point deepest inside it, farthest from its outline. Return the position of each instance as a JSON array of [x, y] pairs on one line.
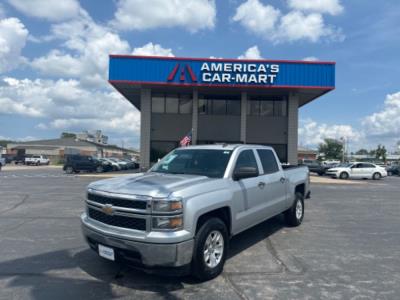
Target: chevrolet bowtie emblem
[[108, 209]]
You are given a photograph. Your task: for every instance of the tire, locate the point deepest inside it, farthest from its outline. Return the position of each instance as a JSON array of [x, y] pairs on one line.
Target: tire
[[294, 215], [69, 170], [37, 163], [376, 176], [99, 169], [201, 268], [344, 175], [390, 173]]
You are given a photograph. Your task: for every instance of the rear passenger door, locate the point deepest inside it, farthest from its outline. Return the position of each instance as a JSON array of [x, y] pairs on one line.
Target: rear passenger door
[[275, 197]]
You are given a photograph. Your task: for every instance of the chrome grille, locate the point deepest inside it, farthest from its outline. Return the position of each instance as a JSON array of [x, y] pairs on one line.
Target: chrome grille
[[126, 203]]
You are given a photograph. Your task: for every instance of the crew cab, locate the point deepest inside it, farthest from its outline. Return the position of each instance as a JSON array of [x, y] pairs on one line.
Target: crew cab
[[37, 160], [357, 170], [183, 211]]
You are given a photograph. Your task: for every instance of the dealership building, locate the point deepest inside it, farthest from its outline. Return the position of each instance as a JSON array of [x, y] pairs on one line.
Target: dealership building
[[218, 100]]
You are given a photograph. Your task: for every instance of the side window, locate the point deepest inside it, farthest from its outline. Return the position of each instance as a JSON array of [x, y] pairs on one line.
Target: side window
[[268, 161], [246, 158]]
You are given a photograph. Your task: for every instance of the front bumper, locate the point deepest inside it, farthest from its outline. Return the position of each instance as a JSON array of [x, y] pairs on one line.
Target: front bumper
[[140, 254]]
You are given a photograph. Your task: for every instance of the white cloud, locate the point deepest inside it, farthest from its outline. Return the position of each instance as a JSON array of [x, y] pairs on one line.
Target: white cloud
[[296, 26], [85, 54], [385, 123], [332, 7], [8, 106], [65, 104], [312, 133], [310, 58], [192, 15], [13, 35], [251, 53], [49, 10], [271, 24], [152, 50], [256, 17]]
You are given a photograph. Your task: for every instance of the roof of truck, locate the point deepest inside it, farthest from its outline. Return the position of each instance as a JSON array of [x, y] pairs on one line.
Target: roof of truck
[[224, 146]]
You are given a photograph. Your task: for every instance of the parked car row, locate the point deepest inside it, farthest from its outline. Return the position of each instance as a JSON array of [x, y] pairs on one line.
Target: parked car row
[[78, 163], [359, 170]]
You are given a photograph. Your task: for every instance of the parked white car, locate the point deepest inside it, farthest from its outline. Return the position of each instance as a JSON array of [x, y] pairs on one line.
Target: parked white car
[[359, 170], [37, 160]]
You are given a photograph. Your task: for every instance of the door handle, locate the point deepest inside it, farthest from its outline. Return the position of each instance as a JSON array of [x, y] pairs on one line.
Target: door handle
[[261, 185], [283, 179]]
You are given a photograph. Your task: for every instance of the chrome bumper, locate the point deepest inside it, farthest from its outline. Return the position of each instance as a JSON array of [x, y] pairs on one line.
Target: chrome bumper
[[145, 254]]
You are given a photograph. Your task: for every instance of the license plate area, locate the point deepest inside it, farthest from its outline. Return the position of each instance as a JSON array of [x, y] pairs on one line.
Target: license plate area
[[106, 252]]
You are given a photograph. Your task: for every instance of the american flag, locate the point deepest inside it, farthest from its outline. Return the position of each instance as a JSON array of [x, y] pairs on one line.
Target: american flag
[[186, 140]]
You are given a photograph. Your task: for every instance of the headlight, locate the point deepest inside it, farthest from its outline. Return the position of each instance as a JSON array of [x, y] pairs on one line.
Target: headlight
[[167, 206], [168, 223]]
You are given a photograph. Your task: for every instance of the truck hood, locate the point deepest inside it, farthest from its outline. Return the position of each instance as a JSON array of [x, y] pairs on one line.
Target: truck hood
[[148, 184]]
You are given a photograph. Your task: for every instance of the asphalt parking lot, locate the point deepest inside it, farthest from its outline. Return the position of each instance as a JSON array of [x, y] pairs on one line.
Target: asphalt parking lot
[[347, 248]]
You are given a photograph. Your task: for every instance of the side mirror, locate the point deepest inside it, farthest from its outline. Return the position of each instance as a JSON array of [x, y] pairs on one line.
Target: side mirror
[[245, 172]]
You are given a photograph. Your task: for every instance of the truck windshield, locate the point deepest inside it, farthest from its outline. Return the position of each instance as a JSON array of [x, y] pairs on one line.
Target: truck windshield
[[206, 162]]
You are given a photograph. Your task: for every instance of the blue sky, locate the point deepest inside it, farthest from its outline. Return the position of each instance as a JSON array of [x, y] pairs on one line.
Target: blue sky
[[54, 57]]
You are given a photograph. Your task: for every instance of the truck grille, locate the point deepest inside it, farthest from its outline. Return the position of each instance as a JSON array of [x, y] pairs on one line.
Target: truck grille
[[136, 204], [118, 221]]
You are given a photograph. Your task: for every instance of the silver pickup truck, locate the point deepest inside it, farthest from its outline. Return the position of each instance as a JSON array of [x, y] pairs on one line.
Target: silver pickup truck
[[183, 211]]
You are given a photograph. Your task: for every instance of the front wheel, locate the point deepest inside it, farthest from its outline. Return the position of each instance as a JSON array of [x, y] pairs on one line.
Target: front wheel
[[69, 170], [376, 176], [294, 215], [99, 169], [210, 248], [344, 175]]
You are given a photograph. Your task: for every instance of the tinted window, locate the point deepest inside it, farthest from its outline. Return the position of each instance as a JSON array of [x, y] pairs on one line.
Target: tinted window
[[280, 108], [185, 104], [233, 107], [218, 107], [157, 104], [268, 161], [266, 108], [171, 104], [246, 158], [367, 166]]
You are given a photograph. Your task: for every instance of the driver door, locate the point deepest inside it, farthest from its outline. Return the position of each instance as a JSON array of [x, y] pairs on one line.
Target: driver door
[[250, 190]]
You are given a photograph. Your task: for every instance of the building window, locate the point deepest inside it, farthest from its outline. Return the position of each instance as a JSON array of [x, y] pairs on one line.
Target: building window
[[157, 104], [219, 106], [266, 107], [185, 104], [171, 104]]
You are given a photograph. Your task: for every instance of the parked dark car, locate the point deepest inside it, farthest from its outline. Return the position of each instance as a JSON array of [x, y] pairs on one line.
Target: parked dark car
[[314, 166], [393, 170], [77, 163]]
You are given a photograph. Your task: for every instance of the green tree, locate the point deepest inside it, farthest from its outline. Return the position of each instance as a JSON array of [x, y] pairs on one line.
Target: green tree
[[362, 152], [333, 149], [65, 135], [380, 152]]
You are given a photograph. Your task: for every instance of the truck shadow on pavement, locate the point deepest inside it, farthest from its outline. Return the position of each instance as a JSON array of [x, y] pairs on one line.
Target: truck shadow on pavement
[[80, 274]]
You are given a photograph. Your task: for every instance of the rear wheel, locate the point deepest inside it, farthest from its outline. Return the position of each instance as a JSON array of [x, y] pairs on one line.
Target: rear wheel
[[210, 248], [294, 215], [344, 175], [376, 176]]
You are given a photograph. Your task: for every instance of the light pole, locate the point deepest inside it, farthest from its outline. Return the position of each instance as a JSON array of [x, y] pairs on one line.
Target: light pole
[[342, 139]]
